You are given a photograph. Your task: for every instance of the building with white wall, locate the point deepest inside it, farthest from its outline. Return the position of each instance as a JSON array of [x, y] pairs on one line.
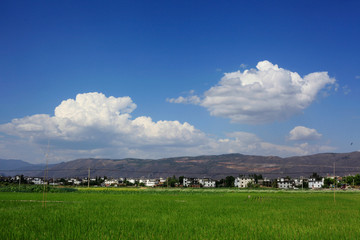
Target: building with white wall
[[314, 184], [243, 182]]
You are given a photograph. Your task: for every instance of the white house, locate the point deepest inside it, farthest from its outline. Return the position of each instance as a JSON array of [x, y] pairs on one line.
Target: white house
[[207, 182], [109, 182], [131, 180], [284, 183], [150, 182], [37, 181], [298, 182], [187, 182], [242, 182], [316, 184], [77, 182]]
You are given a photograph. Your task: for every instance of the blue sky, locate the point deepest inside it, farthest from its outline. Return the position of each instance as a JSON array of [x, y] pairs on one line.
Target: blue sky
[[209, 53]]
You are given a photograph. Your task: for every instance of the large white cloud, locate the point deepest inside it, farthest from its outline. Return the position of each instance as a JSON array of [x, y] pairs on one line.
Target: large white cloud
[[91, 115], [93, 125], [265, 94], [94, 121], [303, 133]]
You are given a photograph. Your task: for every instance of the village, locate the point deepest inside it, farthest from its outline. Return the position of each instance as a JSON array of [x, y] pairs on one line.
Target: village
[[252, 181]]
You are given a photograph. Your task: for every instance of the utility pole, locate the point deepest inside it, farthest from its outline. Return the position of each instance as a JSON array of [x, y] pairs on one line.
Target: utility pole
[[334, 183], [89, 178], [45, 175], [19, 182]]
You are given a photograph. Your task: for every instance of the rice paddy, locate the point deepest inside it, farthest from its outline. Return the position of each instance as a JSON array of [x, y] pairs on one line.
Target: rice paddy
[[179, 214]]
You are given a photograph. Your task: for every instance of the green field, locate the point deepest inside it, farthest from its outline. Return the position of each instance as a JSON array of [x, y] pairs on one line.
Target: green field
[[180, 214]]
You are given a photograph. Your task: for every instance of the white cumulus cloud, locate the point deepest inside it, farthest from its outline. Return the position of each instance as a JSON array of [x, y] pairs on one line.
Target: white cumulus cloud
[[94, 122], [304, 133], [93, 125], [265, 94]]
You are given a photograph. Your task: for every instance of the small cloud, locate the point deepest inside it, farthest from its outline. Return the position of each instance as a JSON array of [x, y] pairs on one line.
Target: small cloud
[[191, 99], [346, 89], [243, 137], [218, 70], [357, 77], [301, 133], [243, 66], [186, 100]]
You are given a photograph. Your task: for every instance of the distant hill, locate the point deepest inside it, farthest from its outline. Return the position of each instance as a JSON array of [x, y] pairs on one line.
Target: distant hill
[[215, 166], [9, 164], [11, 167]]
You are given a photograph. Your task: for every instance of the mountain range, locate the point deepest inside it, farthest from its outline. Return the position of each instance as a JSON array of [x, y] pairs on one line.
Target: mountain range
[[213, 166]]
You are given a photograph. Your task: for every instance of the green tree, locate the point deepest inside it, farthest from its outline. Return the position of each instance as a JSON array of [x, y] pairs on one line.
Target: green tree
[[181, 180], [229, 181], [256, 177], [22, 179], [349, 180], [328, 182], [63, 181], [220, 183], [357, 179], [316, 176], [172, 181]]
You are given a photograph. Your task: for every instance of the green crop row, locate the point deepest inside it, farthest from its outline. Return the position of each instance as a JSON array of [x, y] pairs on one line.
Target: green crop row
[[34, 188], [179, 215]]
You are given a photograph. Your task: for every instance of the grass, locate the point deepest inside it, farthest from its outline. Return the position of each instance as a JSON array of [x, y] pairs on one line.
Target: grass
[[180, 214]]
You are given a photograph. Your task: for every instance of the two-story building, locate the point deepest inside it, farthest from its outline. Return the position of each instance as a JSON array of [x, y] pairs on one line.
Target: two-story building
[[207, 182], [243, 182], [285, 183], [316, 184]]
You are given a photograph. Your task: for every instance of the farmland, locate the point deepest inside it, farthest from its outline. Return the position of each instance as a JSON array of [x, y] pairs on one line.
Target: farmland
[[180, 214]]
